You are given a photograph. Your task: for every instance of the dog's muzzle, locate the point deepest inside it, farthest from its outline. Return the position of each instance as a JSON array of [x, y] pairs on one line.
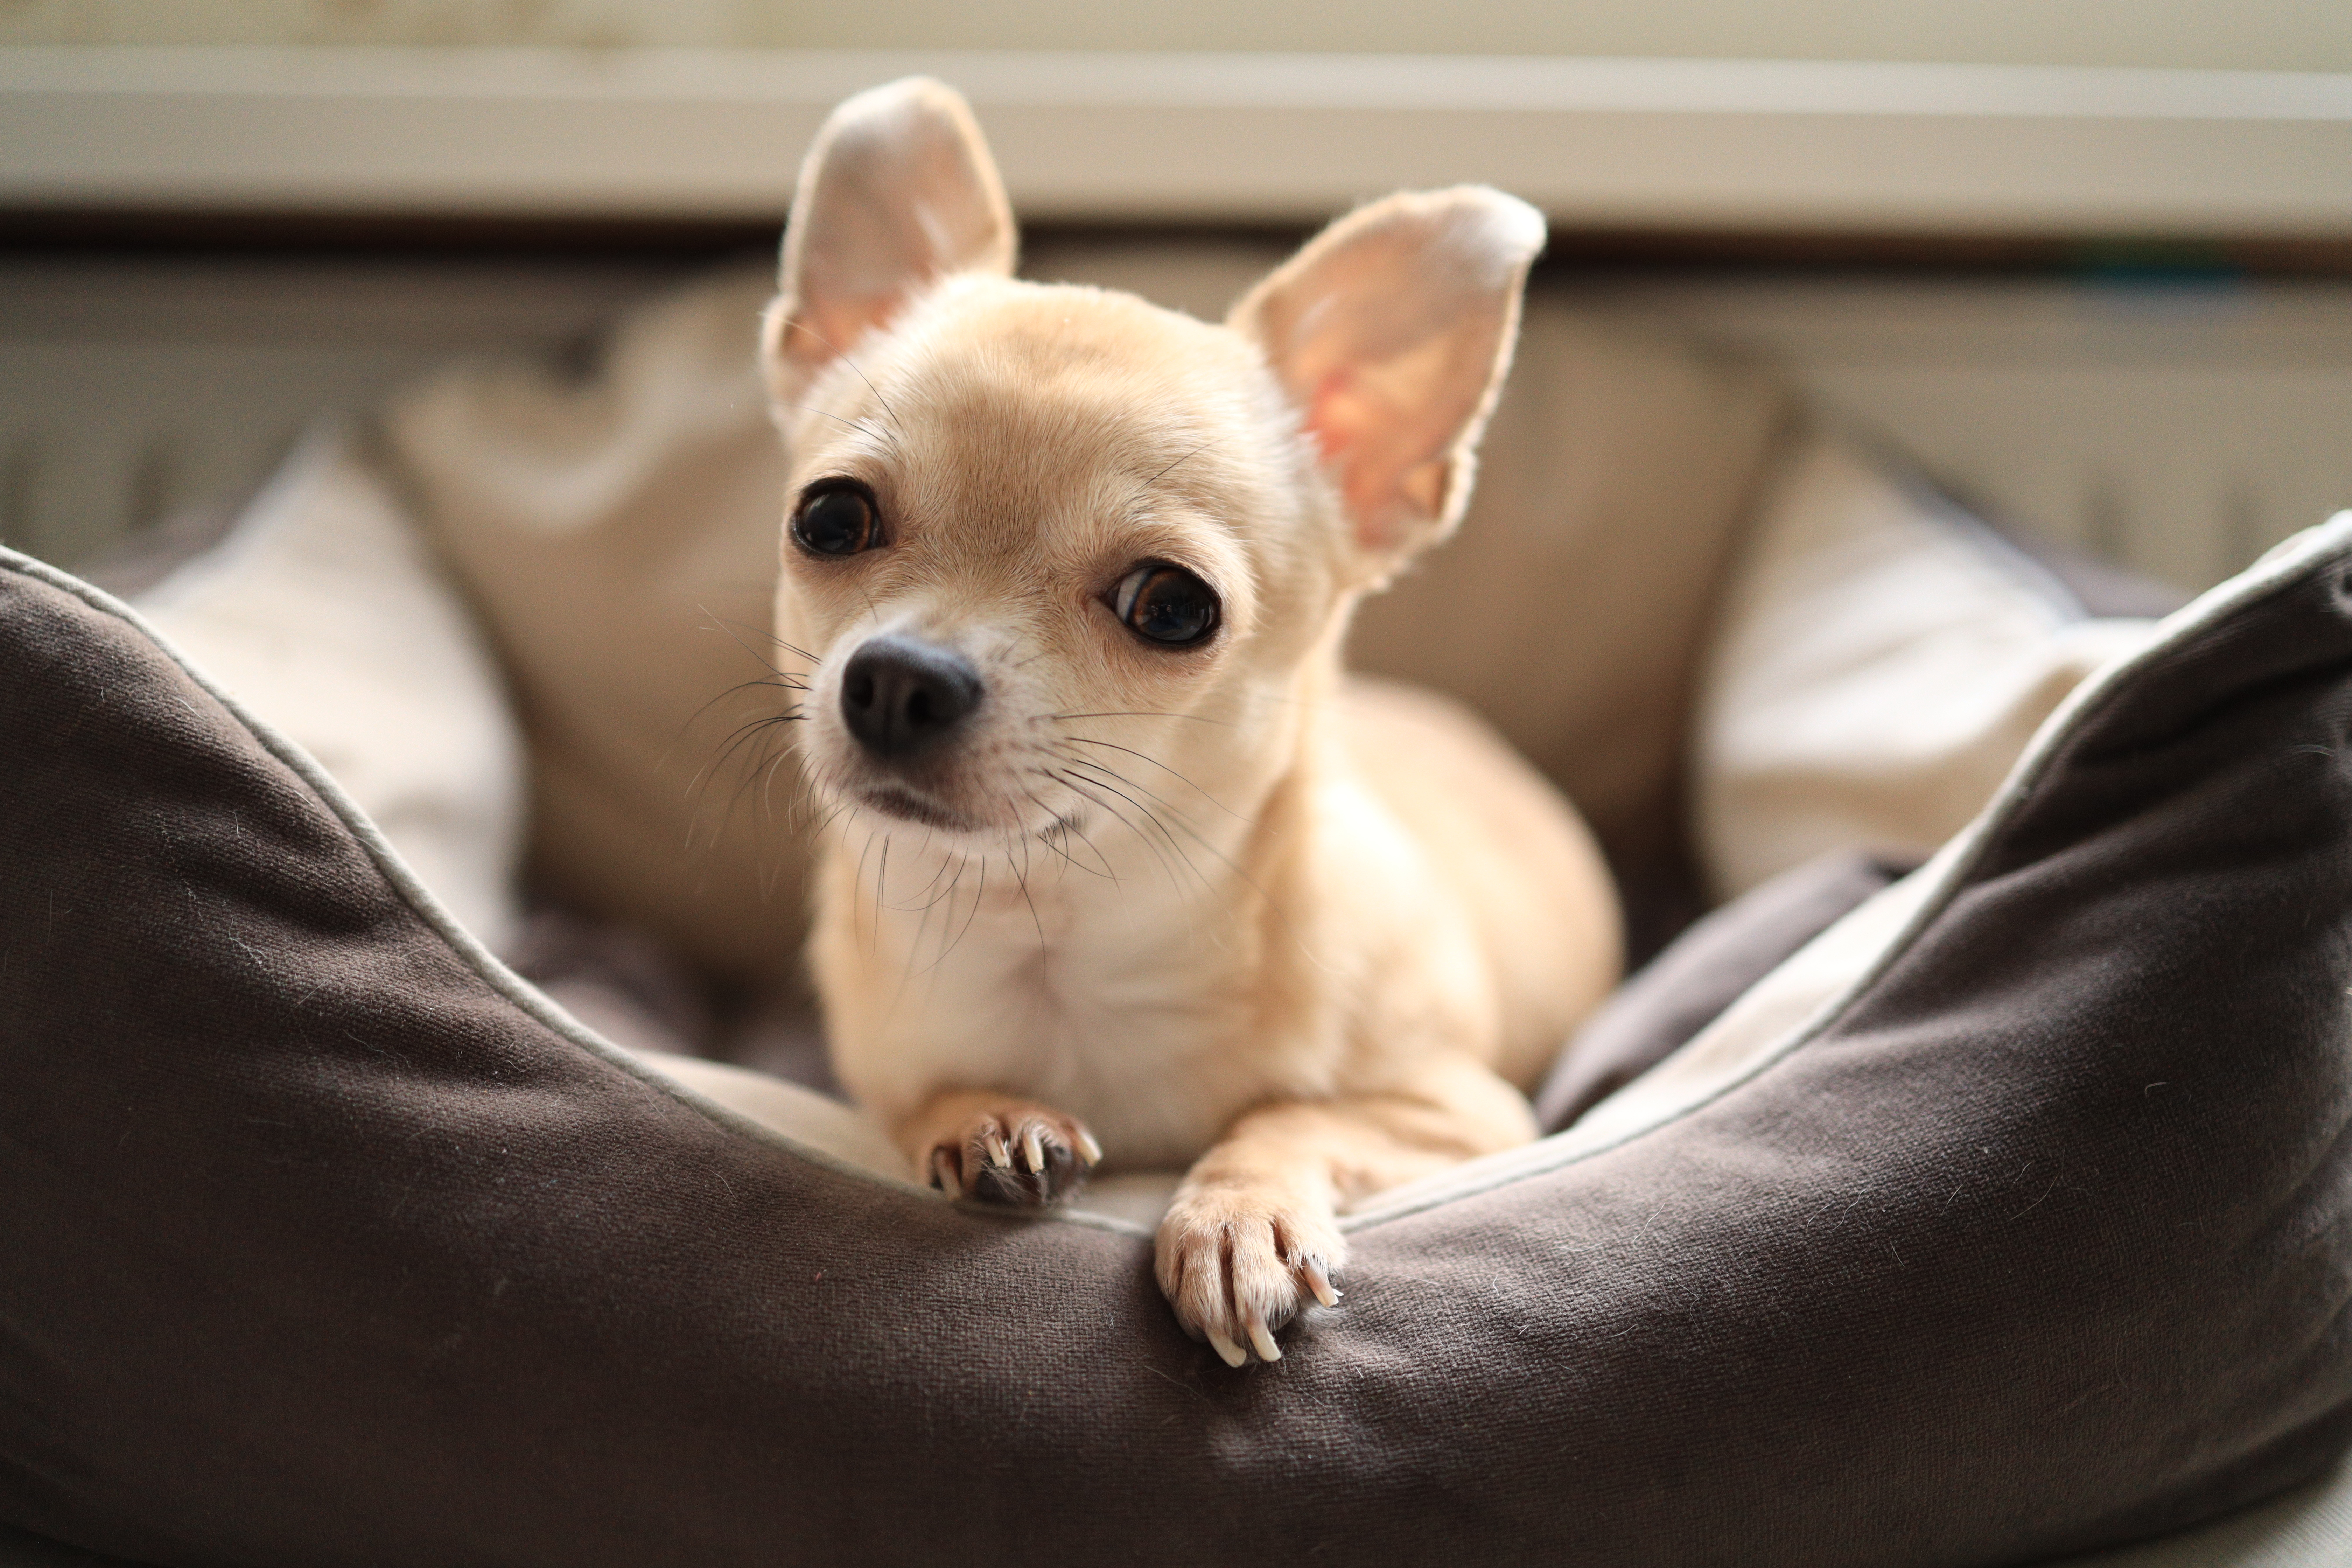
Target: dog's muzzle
[[901, 696]]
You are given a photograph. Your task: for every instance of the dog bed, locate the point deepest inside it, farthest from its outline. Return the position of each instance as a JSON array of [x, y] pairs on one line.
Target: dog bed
[[2006, 1217]]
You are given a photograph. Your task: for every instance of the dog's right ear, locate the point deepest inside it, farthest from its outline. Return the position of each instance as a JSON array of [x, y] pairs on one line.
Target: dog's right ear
[[1391, 332], [898, 192]]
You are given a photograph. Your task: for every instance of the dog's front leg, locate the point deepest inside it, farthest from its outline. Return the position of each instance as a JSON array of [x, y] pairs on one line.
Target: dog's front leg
[[979, 1143], [1253, 1230]]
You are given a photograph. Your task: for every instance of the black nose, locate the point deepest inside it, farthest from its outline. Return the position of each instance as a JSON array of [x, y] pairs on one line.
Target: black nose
[[899, 695]]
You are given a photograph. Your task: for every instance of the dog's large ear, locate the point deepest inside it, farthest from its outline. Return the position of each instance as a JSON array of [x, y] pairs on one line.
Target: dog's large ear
[[1392, 330], [898, 192]]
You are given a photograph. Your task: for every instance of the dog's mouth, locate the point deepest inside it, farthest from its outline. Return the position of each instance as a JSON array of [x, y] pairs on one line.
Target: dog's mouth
[[1064, 824], [905, 806], [909, 806]]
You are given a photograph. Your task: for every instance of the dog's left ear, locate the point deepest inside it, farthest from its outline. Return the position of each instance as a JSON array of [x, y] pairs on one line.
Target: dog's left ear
[[1392, 330], [898, 192]]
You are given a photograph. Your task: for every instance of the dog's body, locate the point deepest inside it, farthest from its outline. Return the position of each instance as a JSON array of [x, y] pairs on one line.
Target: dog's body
[[1118, 861]]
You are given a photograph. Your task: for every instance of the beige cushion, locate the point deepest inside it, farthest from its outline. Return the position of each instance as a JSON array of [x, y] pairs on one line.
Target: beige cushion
[[618, 532], [1571, 607]]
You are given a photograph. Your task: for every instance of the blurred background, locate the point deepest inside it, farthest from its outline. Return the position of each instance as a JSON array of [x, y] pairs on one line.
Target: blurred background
[[2089, 260]]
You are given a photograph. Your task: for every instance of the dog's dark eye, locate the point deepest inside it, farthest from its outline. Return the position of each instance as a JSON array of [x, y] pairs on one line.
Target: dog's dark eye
[[1166, 605], [836, 520]]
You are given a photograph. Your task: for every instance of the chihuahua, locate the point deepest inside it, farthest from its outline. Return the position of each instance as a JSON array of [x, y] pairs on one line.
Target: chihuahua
[[1117, 863]]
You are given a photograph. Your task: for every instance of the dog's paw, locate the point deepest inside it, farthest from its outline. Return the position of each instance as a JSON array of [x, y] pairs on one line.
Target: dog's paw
[[1238, 1265], [1021, 1154]]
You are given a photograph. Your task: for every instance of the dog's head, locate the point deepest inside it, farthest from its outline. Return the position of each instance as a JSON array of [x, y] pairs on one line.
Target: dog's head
[[1049, 549]]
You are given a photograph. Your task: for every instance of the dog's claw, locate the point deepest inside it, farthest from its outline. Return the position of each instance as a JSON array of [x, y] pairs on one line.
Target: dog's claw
[[1089, 1149], [1017, 1154], [1319, 1283], [1238, 1263]]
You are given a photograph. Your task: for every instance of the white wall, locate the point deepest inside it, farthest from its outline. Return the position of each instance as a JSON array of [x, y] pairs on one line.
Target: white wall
[[2262, 34]]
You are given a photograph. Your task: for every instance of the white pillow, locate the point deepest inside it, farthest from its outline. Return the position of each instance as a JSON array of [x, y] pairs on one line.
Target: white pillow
[[1879, 660], [324, 612]]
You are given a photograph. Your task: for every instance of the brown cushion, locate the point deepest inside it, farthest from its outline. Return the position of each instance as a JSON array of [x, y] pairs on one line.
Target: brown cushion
[[327, 1240]]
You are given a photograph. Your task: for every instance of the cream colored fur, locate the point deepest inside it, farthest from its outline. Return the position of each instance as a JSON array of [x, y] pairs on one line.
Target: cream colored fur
[[1215, 907]]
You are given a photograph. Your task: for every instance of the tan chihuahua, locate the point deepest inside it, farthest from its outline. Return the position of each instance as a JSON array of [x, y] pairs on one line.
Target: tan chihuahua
[[1119, 865]]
